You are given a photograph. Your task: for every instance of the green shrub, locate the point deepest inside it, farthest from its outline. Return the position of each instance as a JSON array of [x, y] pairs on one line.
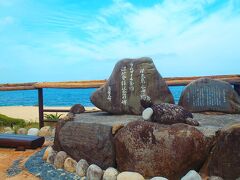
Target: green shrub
[[8, 121], [53, 117]]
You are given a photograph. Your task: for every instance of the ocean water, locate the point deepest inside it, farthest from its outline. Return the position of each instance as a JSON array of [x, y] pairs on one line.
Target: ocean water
[[58, 97]]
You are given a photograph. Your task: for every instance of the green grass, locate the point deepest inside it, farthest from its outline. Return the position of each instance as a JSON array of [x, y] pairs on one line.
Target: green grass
[[16, 123], [9, 121]]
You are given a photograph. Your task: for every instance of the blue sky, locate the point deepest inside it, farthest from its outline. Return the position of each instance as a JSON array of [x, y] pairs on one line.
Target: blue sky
[[60, 40]]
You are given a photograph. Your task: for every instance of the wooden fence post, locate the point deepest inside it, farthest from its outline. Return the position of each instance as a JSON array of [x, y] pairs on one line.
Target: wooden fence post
[[40, 107]]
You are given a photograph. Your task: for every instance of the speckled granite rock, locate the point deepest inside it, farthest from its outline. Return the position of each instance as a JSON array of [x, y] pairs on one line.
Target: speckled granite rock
[[160, 150]]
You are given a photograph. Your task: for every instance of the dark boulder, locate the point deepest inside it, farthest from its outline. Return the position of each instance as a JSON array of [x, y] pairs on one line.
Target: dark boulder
[[77, 109], [90, 141]]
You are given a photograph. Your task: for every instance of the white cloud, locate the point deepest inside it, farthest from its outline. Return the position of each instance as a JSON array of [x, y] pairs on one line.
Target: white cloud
[[183, 37]]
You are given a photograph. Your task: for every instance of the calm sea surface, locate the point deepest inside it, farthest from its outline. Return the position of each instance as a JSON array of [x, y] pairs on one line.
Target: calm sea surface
[[58, 97]]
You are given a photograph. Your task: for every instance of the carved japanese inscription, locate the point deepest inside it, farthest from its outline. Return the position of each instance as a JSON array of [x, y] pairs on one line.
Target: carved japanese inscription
[[130, 80], [210, 95]]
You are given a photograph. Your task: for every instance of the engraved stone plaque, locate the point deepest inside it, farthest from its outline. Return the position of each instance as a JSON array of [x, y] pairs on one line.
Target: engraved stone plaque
[[210, 95]]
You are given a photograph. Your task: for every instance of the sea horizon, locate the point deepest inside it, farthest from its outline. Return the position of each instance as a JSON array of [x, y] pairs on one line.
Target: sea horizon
[[60, 97]]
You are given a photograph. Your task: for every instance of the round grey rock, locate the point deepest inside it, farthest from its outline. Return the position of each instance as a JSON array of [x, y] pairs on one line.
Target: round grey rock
[[159, 178], [94, 172], [33, 131], [51, 157], [45, 131], [191, 175], [59, 159], [22, 131], [110, 174], [81, 167]]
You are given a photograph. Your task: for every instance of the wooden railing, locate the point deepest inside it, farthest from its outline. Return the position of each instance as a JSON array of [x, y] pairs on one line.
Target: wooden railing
[[173, 81]]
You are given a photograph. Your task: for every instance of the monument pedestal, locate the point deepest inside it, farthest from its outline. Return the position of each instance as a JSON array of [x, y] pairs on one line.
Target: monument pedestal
[[89, 136]]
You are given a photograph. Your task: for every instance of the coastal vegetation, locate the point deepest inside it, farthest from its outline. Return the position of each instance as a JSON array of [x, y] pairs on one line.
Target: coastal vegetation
[[52, 117], [9, 121], [15, 123]]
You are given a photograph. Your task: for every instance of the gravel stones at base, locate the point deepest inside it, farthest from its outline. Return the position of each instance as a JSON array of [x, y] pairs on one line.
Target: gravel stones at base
[[45, 131], [110, 174], [94, 172], [33, 131], [48, 150], [70, 165], [14, 169], [22, 131], [191, 175], [159, 178], [59, 159], [130, 176], [51, 157], [81, 168], [46, 171]]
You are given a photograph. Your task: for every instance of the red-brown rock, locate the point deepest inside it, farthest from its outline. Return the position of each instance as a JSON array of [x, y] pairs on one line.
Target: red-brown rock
[[224, 159], [160, 150]]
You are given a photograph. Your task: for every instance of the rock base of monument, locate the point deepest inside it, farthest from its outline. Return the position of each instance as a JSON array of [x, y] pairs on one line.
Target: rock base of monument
[[95, 136], [90, 136]]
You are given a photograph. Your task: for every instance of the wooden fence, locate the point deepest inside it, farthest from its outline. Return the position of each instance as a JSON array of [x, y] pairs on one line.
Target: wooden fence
[[39, 86]]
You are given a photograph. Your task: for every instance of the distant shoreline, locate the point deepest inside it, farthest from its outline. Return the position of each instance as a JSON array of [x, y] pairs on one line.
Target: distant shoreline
[[30, 113]]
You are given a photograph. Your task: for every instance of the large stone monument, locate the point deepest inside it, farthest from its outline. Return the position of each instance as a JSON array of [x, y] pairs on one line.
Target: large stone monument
[[130, 80], [210, 95]]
